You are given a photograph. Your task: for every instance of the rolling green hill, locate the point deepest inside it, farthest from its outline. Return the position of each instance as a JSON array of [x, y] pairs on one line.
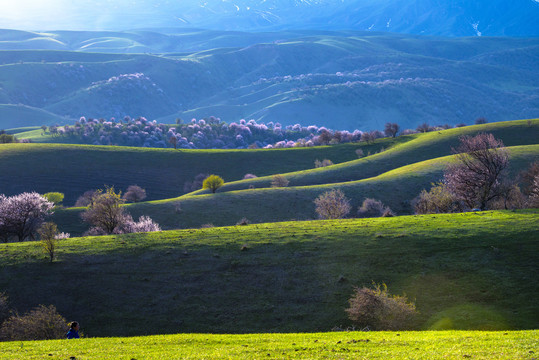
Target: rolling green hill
[[465, 271], [395, 176], [342, 80]]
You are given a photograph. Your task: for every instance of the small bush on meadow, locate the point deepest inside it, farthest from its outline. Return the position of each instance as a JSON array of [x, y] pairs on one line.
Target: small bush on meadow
[[249, 176], [279, 181], [4, 308], [86, 199], [40, 323], [323, 163], [332, 205], [243, 221], [437, 200], [372, 208], [378, 310], [360, 153]]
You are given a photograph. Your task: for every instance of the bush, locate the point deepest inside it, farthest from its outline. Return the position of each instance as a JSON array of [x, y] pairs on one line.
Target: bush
[[48, 232], [86, 199], [332, 205], [4, 308], [378, 310], [243, 221], [196, 184], [213, 182], [279, 181], [105, 210], [40, 323], [144, 224], [437, 200], [134, 194], [323, 163], [54, 197], [249, 176], [372, 208]]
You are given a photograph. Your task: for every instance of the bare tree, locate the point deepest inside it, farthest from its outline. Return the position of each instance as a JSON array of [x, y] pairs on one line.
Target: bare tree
[[391, 129], [105, 212], [476, 176], [279, 181], [332, 205], [48, 232]]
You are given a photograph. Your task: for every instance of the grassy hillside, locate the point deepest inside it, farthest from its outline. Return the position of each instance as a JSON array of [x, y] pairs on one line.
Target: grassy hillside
[[343, 80], [341, 345], [465, 271], [407, 150], [74, 169], [13, 116]]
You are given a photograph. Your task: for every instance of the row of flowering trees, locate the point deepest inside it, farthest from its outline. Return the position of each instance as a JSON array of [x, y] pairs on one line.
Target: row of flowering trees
[[211, 133]]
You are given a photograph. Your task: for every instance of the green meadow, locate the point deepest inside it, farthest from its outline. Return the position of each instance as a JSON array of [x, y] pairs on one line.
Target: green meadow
[[469, 271], [340, 345]]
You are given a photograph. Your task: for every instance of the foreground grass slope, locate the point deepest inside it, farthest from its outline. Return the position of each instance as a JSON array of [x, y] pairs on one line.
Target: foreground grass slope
[[342, 345], [465, 271]]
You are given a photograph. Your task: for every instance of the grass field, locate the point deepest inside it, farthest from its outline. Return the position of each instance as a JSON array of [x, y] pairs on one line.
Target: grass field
[[341, 345], [465, 271]]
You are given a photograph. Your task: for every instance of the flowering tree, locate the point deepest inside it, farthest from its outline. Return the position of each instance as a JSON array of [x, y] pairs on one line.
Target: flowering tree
[[332, 205], [21, 215], [476, 177]]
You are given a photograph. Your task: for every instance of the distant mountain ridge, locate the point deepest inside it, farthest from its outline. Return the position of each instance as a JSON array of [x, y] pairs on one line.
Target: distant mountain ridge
[[426, 17], [344, 80]]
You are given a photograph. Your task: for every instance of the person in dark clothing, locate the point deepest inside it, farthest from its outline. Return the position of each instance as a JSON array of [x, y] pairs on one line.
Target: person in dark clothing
[[73, 332]]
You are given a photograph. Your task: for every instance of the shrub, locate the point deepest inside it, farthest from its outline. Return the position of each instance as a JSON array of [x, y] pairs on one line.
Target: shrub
[[40, 323], [105, 211], [4, 307], [527, 178], [437, 200], [481, 120], [279, 181], [134, 194], [243, 221], [54, 197], [48, 232], [144, 224], [249, 176], [87, 198], [332, 205], [213, 182], [196, 184], [323, 163], [378, 310], [372, 208], [360, 153]]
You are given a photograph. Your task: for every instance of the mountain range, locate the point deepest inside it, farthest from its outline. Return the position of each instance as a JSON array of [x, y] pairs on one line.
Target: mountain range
[[341, 79], [426, 17]]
